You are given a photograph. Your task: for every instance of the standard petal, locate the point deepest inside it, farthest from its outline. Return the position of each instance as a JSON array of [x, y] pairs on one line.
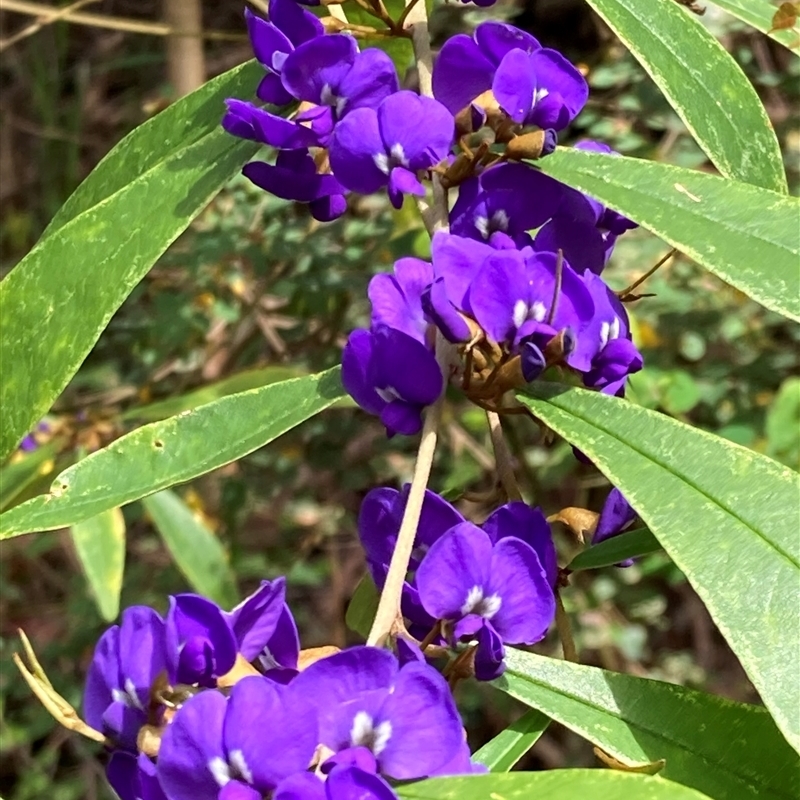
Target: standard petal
[[498, 297], [520, 521], [458, 260], [254, 620], [191, 760], [452, 568], [514, 85], [495, 39], [461, 73], [397, 299], [448, 320], [378, 523], [426, 729], [357, 150], [343, 676], [283, 648], [270, 731], [298, 24], [528, 605], [249, 122], [142, 650], [317, 67], [564, 83], [103, 677], [371, 79], [265, 38]]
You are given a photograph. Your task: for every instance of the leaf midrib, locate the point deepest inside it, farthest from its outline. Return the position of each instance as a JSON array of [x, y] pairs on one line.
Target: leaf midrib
[[748, 780], [687, 481]]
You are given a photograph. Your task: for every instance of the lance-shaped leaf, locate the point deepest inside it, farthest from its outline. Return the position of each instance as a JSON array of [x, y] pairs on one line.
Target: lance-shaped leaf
[[746, 235], [729, 751], [56, 302], [556, 784], [760, 14], [195, 549], [362, 606], [175, 450], [631, 544], [509, 746], [704, 85], [100, 544], [726, 515]]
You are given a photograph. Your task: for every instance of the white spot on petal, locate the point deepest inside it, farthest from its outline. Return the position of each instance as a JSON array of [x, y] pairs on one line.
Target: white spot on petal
[[476, 603], [362, 728], [605, 329], [500, 220], [381, 162], [398, 154], [490, 606], [380, 737], [519, 316], [365, 733], [613, 332], [540, 94], [220, 770], [482, 225], [130, 690], [538, 311], [237, 761], [388, 394]]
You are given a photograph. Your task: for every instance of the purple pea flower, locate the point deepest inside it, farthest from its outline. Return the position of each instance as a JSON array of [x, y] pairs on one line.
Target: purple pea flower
[[332, 74], [583, 228], [294, 177], [456, 262], [504, 203], [389, 144], [605, 353], [397, 299], [405, 716], [533, 85], [127, 660], [514, 293], [616, 517], [391, 375], [491, 592], [238, 748], [134, 778], [288, 27]]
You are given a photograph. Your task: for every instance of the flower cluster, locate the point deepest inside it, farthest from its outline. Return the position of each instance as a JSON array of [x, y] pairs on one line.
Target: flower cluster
[[516, 283], [478, 587], [212, 705]]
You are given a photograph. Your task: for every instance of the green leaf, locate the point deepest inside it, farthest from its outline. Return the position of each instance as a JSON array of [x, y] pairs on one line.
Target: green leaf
[[100, 544], [759, 13], [631, 544], [729, 751], [510, 745], [178, 449], [783, 423], [196, 550], [362, 607], [747, 236], [558, 784], [726, 515], [18, 474], [704, 85], [56, 302], [241, 382]]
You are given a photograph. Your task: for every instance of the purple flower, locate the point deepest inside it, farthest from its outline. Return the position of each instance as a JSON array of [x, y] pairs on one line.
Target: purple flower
[[288, 27], [504, 203], [532, 85], [331, 73], [616, 516], [456, 262], [583, 228], [295, 177], [389, 144], [405, 716], [604, 352], [391, 375], [240, 748], [491, 592], [134, 778], [344, 781], [397, 299], [513, 297], [127, 660], [247, 121]]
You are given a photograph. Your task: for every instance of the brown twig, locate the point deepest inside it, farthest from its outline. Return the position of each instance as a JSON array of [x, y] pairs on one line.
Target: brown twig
[[61, 13], [503, 458]]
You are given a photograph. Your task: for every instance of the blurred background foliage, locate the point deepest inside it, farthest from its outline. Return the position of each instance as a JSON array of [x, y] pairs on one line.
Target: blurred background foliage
[[257, 291]]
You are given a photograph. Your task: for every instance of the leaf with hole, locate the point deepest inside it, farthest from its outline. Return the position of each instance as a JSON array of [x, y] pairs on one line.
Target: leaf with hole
[[175, 450], [727, 516]]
